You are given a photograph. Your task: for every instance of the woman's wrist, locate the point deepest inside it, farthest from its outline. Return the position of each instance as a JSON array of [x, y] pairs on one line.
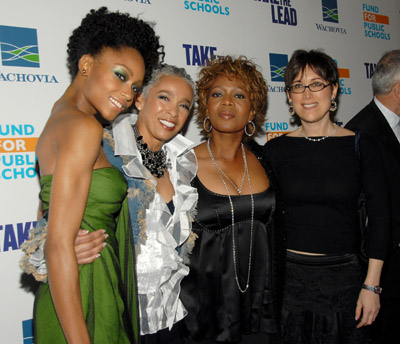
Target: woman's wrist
[[373, 288]]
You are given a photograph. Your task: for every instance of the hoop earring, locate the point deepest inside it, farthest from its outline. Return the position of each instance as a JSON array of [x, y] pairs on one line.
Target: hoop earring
[[204, 125], [291, 109], [254, 128], [333, 105]]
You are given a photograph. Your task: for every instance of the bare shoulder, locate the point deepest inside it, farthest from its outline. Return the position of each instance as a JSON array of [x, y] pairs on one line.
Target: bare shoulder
[[259, 178], [70, 124], [71, 136], [344, 132], [201, 152], [294, 133]]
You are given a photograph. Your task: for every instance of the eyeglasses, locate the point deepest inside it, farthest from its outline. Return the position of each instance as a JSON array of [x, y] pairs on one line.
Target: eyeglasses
[[314, 87]]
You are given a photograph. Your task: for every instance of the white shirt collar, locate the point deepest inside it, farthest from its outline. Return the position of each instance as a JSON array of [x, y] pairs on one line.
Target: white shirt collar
[[390, 116]]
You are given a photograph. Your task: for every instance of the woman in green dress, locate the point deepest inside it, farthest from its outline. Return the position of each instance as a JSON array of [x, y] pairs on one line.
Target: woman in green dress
[[107, 57]]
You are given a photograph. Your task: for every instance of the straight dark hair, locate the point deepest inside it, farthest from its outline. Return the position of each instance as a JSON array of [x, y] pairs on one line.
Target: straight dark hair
[[318, 61]]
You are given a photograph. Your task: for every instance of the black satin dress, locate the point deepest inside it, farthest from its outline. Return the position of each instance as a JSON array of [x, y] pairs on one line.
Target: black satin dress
[[217, 310]]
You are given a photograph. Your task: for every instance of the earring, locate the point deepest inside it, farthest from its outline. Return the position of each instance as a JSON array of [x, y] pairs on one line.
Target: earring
[[291, 109], [83, 71], [204, 125], [333, 105], [254, 128]]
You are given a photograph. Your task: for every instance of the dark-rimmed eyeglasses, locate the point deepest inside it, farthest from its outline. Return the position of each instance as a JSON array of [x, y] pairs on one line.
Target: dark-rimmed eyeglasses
[[314, 87]]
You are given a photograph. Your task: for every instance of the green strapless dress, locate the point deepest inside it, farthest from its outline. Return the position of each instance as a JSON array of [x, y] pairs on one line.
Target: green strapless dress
[[108, 284]]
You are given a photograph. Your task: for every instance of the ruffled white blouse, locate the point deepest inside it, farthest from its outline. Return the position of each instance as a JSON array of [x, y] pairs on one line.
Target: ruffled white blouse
[[159, 267]]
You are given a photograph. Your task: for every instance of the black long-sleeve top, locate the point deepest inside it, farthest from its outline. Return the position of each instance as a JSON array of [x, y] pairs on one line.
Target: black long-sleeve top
[[320, 183]]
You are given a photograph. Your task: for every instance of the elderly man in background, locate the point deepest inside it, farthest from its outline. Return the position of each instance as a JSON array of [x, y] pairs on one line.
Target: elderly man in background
[[381, 120]]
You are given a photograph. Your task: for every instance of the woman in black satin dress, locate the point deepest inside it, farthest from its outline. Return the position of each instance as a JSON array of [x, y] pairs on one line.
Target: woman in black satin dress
[[231, 292]]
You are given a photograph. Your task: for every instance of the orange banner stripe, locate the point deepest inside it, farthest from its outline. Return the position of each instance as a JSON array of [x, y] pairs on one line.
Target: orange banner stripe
[[273, 134], [344, 73], [376, 18], [18, 145]]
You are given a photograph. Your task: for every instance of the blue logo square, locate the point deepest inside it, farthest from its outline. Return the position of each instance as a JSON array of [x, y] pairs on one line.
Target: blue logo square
[[27, 331], [330, 11], [19, 47], [278, 64]]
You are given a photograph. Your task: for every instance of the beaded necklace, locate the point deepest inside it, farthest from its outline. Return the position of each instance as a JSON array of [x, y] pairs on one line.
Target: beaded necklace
[[155, 161], [320, 138]]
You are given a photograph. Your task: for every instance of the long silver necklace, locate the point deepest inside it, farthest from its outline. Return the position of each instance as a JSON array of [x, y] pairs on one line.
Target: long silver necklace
[[320, 138], [221, 175], [238, 189]]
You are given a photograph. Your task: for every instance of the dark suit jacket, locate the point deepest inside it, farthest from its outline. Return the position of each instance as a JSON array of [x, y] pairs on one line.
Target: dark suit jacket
[[371, 121]]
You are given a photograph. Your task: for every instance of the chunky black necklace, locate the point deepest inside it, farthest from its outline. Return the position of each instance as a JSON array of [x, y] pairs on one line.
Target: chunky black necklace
[[156, 162]]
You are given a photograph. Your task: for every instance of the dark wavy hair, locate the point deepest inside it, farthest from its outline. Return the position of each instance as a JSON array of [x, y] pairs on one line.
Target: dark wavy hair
[[241, 69], [104, 29]]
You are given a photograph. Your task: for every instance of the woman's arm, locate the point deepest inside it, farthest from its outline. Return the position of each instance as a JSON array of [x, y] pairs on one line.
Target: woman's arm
[[77, 151], [368, 302]]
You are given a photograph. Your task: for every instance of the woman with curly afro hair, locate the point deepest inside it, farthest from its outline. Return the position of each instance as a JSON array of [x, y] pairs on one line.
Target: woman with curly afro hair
[[231, 292], [109, 56]]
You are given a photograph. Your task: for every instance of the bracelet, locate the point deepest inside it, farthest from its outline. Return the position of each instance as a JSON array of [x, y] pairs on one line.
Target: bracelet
[[374, 289]]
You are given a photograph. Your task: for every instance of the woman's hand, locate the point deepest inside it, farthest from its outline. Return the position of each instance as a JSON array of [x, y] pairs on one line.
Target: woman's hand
[[368, 302], [89, 244], [368, 305]]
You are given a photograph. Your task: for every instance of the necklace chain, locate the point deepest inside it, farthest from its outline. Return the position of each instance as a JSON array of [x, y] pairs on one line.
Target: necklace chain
[[155, 161], [320, 138], [239, 190], [221, 175]]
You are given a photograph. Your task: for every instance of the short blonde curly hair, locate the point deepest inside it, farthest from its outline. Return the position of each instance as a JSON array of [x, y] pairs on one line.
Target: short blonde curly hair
[[241, 69]]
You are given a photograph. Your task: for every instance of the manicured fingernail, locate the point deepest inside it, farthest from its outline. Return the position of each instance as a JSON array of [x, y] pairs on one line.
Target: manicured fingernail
[[98, 255], [85, 231], [103, 231], [106, 236], [104, 244]]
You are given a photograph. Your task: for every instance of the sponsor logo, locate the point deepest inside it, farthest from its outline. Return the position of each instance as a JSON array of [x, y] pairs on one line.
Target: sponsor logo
[[330, 14], [14, 235], [197, 55], [375, 24], [344, 73], [369, 69], [275, 129], [277, 63], [208, 6], [21, 77], [330, 11], [282, 12], [19, 47], [27, 331], [17, 151]]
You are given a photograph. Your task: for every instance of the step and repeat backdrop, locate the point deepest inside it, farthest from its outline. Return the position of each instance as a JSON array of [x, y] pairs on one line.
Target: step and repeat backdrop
[[33, 75]]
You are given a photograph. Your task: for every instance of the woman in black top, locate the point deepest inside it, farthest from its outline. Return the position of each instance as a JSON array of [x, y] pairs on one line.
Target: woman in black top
[[329, 296], [231, 292]]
